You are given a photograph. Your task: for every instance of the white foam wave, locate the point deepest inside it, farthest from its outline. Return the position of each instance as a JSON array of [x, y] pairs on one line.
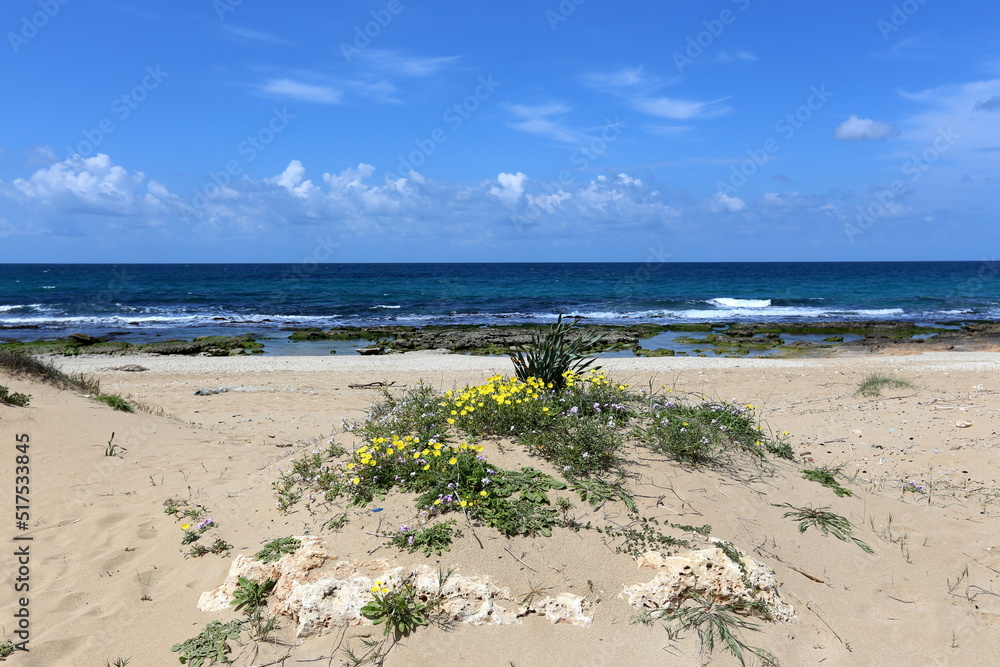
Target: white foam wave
[[386, 307], [7, 309], [726, 302]]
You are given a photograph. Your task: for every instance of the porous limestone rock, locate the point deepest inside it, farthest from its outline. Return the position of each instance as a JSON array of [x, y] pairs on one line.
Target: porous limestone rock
[[321, 592], [708, 573]]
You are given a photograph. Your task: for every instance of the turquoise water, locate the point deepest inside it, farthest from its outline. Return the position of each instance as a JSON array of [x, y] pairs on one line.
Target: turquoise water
[[199, 299]]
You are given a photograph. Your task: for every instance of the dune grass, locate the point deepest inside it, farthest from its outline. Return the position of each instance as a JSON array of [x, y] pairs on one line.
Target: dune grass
[[25, 365], [874, 383]]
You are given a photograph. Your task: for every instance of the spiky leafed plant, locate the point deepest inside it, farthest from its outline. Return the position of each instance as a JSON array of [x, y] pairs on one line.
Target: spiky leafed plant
[[551, 353]]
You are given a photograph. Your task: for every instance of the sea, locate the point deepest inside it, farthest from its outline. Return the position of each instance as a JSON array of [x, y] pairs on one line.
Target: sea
[[161, 301]]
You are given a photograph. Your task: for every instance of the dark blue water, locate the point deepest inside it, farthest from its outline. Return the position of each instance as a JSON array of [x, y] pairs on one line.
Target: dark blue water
[[196, 299]]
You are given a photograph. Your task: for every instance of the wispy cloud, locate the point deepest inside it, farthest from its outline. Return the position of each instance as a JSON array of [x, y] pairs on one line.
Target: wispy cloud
[[396, 63], [248, 35], [735, 56], [641, 91], [677, 109], [541, 119], [305, 92]]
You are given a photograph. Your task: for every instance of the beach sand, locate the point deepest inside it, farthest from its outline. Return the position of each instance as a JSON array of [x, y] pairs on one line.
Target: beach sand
[[108, 578]]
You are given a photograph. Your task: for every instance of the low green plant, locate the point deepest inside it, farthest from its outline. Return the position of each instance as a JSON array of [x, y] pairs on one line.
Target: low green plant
[[219, 547], [112, 449], [828, 522], [644, 535], [597, 492], [251, 594], [512, 517], [115, 401], [552, 353], [261, 626], [721, 623], [6, 649], [396, 607], [119, 662], [275, 549], [873, 384], [580, 446], [338, 522], [702, 433], [432, 539], [16, 398], [211, 644], [827, 476]]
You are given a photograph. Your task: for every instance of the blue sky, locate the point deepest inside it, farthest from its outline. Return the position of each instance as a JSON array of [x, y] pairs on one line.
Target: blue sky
[[416, 130]]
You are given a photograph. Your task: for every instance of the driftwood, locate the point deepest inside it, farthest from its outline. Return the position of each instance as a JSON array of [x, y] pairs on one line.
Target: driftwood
[[372, 385]]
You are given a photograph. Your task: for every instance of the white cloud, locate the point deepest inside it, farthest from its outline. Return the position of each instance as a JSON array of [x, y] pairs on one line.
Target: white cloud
[[723, 203], [511, 187], [291, 180], [623, 78], [640, 91], [305, 92], [248, 35], [863, 129], [727, 57], [92, 185], [401, 64], [538, 119]]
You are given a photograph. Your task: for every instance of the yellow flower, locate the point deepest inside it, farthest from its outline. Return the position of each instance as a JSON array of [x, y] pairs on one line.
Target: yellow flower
[[483, 494], [450, 420], [356, 480], [453, 460], [350, 466], [479, 448], [464, 503], [427, 467], [185, 526]]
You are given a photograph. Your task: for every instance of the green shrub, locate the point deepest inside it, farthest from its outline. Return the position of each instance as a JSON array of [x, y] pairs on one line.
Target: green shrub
[[396, 607], [115, 401], [16, 398], [432, 539], [553, 353], [702, 433]]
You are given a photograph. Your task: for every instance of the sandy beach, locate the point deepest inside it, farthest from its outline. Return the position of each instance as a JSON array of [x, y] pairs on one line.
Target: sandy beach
[[109, 579]]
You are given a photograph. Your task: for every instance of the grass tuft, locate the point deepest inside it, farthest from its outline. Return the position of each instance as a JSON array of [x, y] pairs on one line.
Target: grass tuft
[[25, 365], [719, 623], [874, 383], [828, 522], [114, 401]]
